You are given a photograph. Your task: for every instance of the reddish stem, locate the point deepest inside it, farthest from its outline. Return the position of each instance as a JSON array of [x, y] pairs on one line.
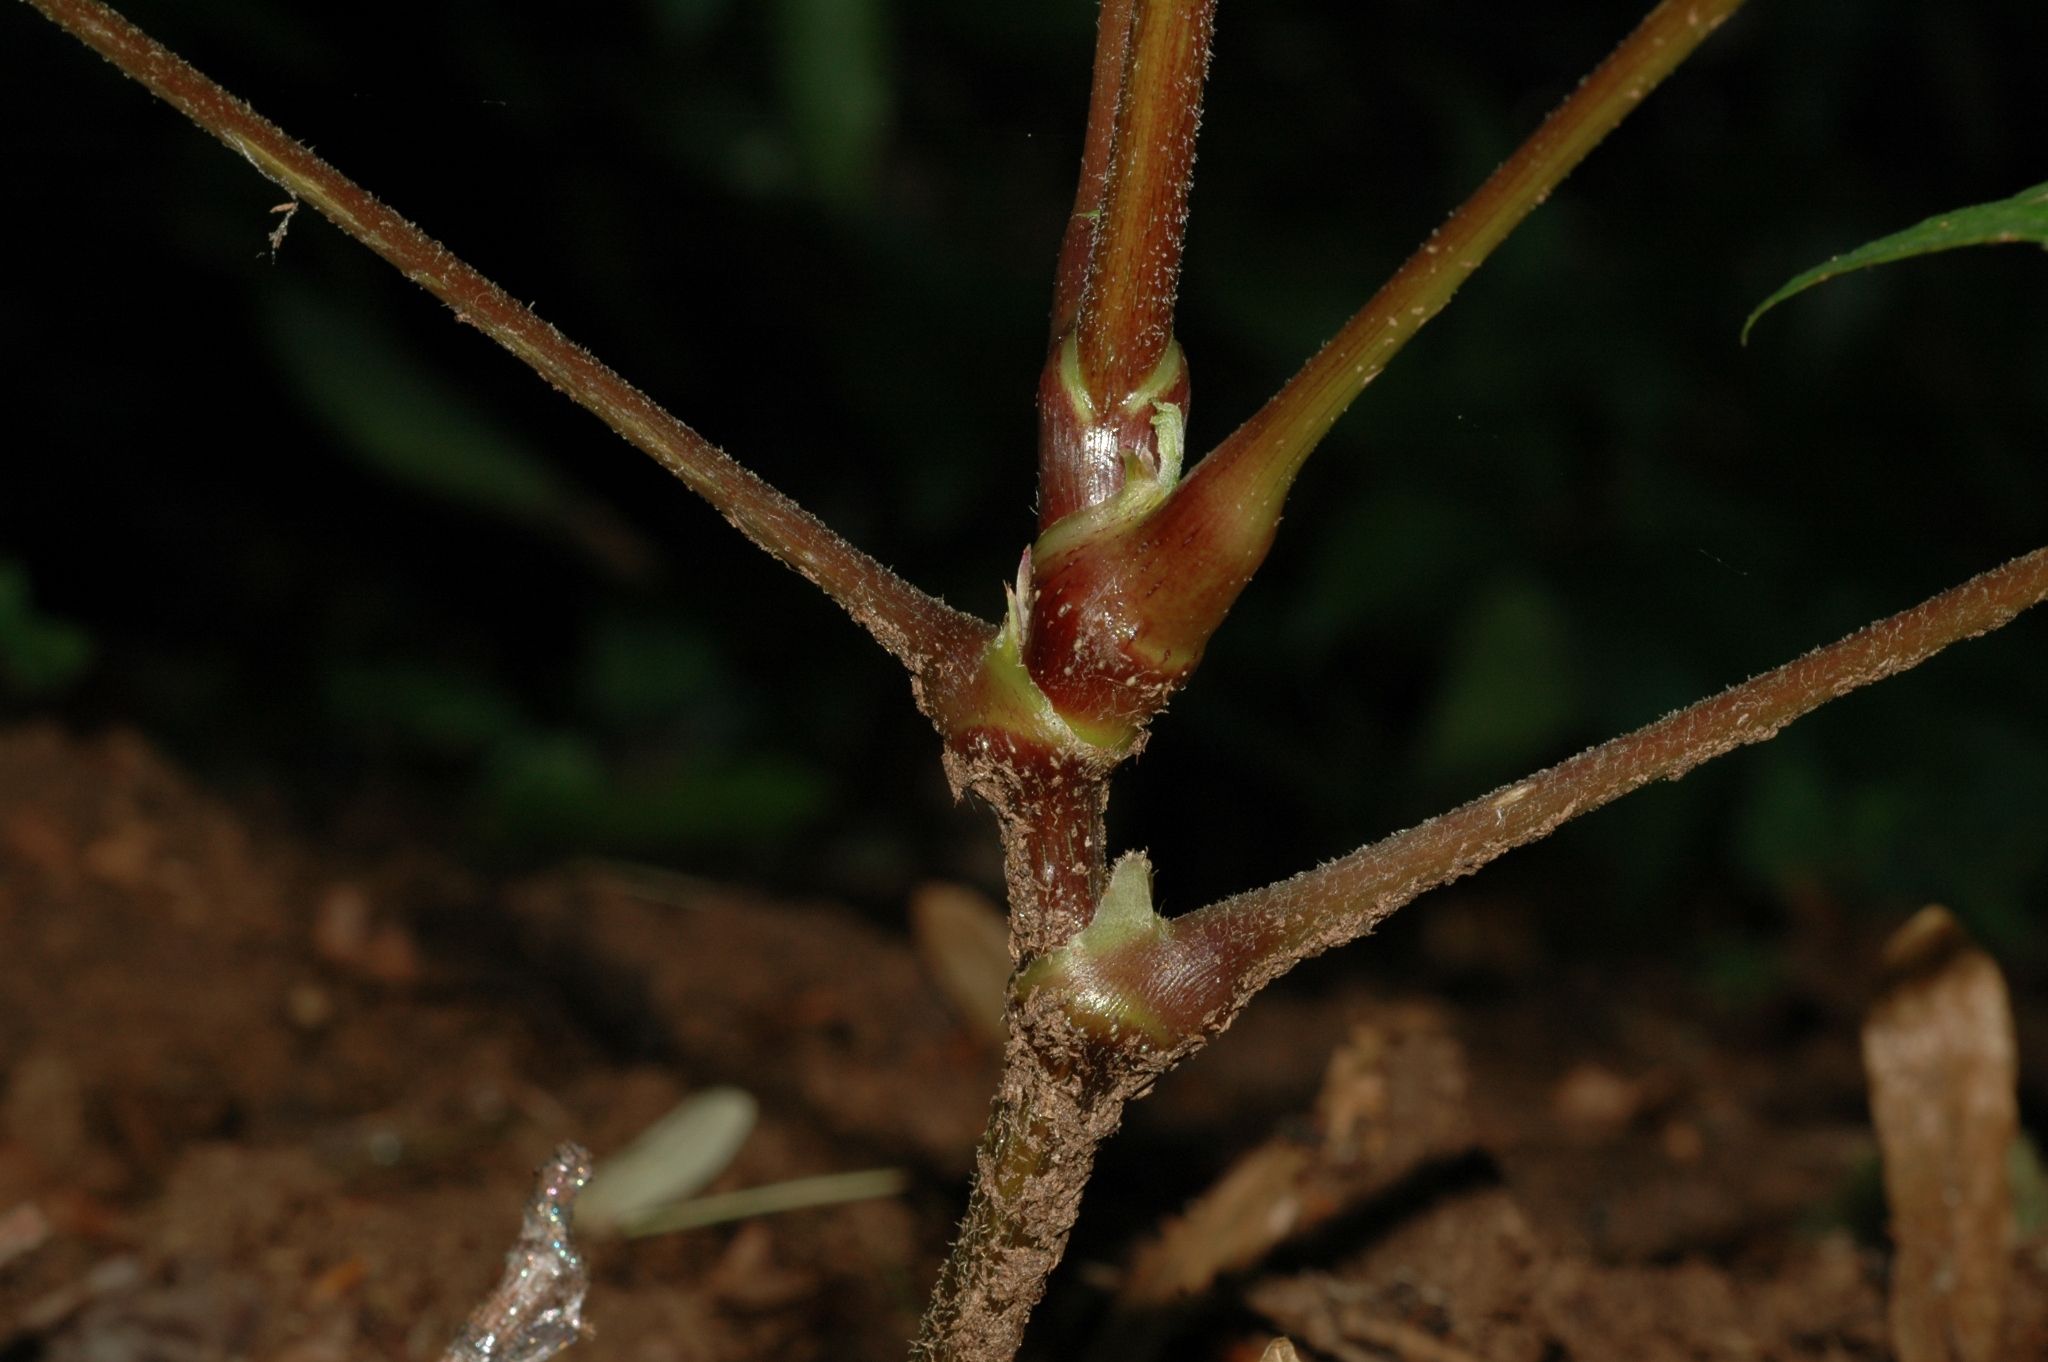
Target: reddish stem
[[1123, 615], [1112, 42], [1197, 976], [932, 639], [1126, 316], [1120, 263], [1049, 805]]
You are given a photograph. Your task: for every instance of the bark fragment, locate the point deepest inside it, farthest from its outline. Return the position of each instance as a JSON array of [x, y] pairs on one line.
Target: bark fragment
[[1939, 1051]]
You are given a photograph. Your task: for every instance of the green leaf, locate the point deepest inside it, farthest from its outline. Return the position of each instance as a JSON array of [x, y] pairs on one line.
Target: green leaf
[[38, 655], [556, 790], [391, 410], [686, 20], [438, 711], [641, 672], [2023, 217]]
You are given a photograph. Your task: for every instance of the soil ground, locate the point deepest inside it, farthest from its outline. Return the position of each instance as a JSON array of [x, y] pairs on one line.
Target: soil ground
[[275, 1104]]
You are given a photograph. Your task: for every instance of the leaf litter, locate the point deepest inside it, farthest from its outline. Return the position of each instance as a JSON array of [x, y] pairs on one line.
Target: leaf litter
[[297, 1146]]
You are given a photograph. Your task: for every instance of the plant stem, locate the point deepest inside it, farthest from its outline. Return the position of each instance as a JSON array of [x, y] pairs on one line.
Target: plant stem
[[1060, 1099], [1126, 319], [1113, 358], [1260, 458], [1112, 42], [1136, 596], [1215, 958], [1064, 1088], [932, 639], [1055, 855]]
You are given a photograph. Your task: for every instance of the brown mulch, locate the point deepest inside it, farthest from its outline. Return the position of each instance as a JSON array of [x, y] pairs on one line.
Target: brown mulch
[[257, 1101]]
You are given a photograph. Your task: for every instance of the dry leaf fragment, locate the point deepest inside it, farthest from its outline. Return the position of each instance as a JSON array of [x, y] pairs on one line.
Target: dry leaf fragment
[[1938, 1048], [1232, 1225], [346, 934], [1594, 1100], [44, 1108], [964, 942], [1326, 1313], [110, 1277], [674, 1158], [23, 1230], [1393, 1099]]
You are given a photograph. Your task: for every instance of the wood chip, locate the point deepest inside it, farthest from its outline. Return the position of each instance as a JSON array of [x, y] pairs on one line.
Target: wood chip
[[1939, 1052]]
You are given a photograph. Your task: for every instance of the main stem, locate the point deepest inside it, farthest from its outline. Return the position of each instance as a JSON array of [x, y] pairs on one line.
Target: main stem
[[1061, 1094], [1060, 1098]]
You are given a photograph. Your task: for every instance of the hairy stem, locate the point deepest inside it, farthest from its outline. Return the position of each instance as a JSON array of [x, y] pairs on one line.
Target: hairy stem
[[1054, 858], [1214, 959], [1261, 457], [1061, 1095], [1126, 319], [1067, 1078], [1134, 587], [929, 636], [1112, 43], [1060, 1099], [1113, 358]]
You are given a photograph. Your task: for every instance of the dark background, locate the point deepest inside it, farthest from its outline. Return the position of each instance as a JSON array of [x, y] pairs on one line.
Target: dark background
[[354, 564]]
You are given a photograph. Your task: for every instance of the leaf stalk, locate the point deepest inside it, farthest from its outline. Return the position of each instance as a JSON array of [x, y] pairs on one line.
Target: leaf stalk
[[932, 639]]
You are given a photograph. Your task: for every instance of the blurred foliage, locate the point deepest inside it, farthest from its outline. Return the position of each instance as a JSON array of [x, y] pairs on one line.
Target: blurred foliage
[[332, 544], [835, 90], [38, 655]]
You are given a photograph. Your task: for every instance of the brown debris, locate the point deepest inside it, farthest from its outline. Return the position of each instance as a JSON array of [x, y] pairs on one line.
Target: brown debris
[[246, 1148], [23, 1230], [798, 1001], [264, 1152], [1470, 1279], [964, 941], [346, 934], [1595, 1101], [44, 1109], [1939, 1050], [1393, 1099]]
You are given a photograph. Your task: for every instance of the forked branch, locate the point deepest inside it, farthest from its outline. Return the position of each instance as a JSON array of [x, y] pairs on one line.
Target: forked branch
[[926, 634], [1139, 583]]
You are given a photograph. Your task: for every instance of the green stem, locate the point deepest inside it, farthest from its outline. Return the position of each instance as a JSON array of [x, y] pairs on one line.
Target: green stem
[[1261, 457]]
